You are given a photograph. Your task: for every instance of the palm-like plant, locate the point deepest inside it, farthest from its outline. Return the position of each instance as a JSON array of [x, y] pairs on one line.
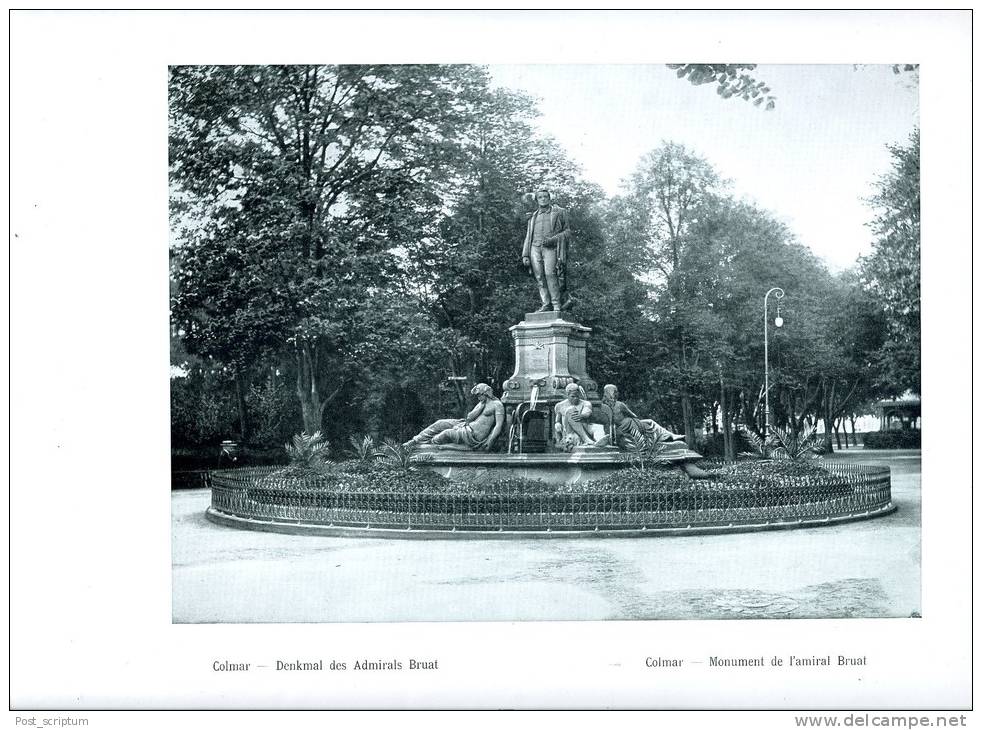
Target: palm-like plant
[[631, 433], [762, 446], [781, 444], [806, 444], [641, 451], [402, 456], [364, 448], [308, 451]]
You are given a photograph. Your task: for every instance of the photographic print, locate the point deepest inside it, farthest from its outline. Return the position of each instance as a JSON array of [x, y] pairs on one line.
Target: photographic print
[[523, 359], [545, 342]]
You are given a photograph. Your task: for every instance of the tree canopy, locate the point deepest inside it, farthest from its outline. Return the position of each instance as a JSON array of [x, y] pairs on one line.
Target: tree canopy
[[892, 272], [347, 257]]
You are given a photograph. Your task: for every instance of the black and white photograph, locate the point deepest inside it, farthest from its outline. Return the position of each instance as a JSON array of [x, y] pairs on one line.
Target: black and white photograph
[[484, 305], [595, 372]]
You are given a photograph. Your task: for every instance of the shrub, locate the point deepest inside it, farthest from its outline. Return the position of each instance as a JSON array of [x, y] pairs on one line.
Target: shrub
[[384, 478], [208, 457], [202, 410], [892, 439], [782, 444], [633, 480], [758, 469], [711, 445], [353, 476], [188, 479], [273, 411], [759, 446]]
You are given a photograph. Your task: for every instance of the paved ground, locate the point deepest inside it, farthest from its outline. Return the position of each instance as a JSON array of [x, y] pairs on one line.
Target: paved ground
[[862, 569]]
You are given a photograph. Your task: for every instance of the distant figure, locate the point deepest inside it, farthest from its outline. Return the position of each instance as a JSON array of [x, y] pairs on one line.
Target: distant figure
[[545, 250], [477, 431]]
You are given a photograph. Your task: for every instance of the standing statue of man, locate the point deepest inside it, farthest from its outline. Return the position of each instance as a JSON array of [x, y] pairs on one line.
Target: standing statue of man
[[544, 251]]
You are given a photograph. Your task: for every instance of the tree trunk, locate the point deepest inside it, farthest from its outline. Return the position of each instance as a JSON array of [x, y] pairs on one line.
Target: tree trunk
[[240, 402], [688, 421], [838, 440], [829, 425], [311, 413], [827, 420], [726, 409], [852, 422], [789, 401], [311, 402], [752, 410], [715, 412], [458, 386]]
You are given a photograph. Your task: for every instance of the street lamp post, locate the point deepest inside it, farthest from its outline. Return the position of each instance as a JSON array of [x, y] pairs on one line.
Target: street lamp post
[[778, 293]]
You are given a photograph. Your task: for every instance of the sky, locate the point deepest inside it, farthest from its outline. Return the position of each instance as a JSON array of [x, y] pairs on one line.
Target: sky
[[810, 161]]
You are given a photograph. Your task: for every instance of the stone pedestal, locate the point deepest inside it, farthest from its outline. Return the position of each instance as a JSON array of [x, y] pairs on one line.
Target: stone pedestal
[[550, 352]]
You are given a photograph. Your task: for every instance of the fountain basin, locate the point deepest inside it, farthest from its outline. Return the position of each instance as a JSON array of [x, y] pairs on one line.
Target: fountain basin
[[582, 464]]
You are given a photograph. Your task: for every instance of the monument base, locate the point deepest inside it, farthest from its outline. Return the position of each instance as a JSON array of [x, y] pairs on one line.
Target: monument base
[[550, 353]]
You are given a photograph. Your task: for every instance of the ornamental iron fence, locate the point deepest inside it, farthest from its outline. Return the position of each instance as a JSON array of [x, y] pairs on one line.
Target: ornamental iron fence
[[846, 491]]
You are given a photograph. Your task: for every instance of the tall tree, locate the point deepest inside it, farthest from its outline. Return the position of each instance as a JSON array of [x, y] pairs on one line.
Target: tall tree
[[658, 209], [892, 272], [736, 253], [228, 302], [853, 329], [322, 172]]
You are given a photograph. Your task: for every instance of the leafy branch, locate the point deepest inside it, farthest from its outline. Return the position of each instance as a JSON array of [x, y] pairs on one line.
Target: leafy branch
[[730, 79]]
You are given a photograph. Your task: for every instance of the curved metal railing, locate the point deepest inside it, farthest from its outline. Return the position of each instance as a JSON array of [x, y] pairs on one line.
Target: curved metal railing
[[846, 491]]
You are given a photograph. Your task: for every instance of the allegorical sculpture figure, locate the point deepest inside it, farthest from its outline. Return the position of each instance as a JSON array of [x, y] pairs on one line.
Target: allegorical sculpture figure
[[646, 433], [628, 425], [477, 431], [545, 250], [573, 421]]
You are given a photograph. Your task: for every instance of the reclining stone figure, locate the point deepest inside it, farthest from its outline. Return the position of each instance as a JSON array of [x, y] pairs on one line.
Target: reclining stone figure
[[630, 430], [477, 432]]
